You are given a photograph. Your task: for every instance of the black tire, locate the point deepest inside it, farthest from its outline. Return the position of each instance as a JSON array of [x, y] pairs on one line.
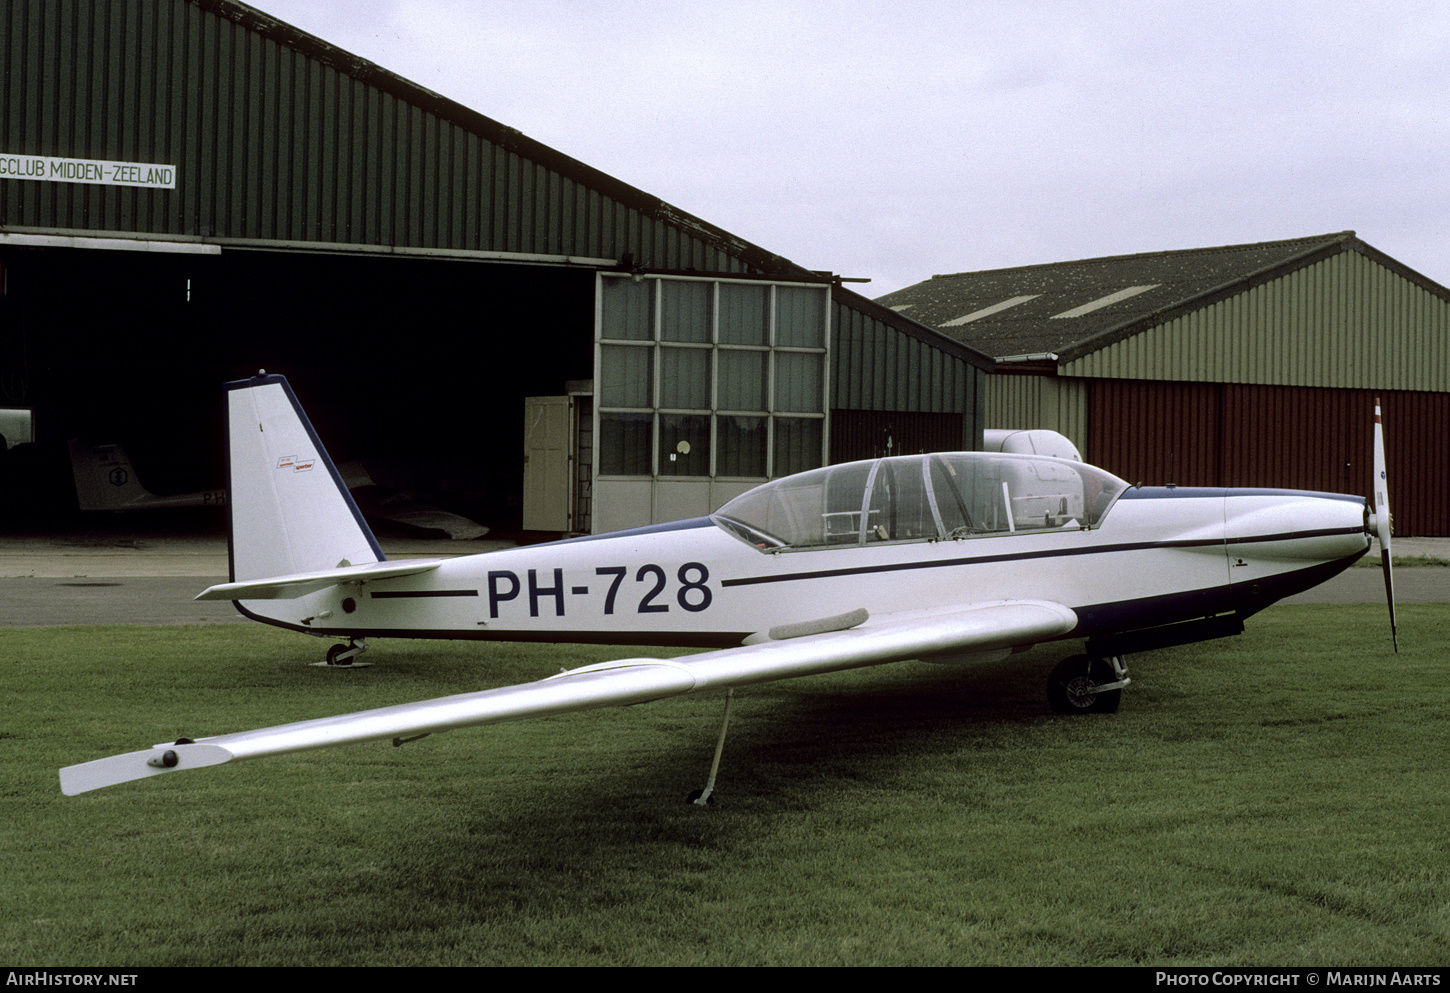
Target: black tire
[[1072, 687], [333, 653]]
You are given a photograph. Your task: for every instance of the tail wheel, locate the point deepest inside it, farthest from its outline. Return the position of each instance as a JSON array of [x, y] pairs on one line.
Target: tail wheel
[[1073, 686]]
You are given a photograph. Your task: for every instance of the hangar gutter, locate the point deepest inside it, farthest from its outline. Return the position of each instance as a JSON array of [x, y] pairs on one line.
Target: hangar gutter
[[114, 244], [214, 246]]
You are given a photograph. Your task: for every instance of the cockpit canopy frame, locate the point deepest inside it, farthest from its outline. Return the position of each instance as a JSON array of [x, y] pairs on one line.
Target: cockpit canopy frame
[[933, 497]]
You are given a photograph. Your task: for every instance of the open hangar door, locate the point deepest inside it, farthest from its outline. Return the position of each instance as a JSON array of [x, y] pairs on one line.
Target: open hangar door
[[416, 368]]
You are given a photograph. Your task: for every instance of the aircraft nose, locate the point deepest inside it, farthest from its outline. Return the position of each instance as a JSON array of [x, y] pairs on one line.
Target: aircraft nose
[[1292, 526]]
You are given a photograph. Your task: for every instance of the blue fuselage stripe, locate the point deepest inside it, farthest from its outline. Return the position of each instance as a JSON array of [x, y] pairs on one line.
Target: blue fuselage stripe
[[1043, 554], [1217, 492]]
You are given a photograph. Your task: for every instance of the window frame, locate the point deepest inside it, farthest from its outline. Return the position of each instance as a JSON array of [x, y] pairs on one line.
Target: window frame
[[659, 343]]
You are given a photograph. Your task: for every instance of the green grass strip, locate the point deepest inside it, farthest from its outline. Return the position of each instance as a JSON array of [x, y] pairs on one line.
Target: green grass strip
[[1279, 798]]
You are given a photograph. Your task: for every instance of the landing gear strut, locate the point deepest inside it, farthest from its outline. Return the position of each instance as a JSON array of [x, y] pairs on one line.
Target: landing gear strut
[[704, 798], [1083, 685], [346, 655]]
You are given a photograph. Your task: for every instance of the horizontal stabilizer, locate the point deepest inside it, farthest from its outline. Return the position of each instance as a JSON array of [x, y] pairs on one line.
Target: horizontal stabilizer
[[303, 583]]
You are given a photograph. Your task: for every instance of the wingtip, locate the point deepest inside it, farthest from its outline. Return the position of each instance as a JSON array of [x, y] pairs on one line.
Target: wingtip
[[114, 769]]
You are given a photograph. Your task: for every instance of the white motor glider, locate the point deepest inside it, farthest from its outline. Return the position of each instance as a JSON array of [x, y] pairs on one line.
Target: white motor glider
[[943, 557]]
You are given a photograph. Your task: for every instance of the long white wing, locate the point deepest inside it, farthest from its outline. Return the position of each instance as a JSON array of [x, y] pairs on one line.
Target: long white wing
[[982, 627]]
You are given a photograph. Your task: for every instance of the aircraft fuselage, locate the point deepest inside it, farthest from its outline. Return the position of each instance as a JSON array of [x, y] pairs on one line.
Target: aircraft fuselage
[[1158, 555]]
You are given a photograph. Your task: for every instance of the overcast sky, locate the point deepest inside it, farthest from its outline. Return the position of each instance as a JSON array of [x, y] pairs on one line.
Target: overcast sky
[[897, 140]]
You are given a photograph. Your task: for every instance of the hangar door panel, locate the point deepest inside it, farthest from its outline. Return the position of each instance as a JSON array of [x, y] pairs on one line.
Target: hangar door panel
[[548, 447]]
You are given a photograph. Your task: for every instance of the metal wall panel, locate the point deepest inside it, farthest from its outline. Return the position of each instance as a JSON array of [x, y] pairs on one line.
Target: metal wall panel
[[1346, 322], [1154, 432], [869, 434], [878, 367], [1211, 434], [1026, 402], [1322, 440]]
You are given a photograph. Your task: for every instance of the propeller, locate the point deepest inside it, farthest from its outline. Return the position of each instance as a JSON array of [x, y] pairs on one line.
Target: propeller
[[1382, 517]]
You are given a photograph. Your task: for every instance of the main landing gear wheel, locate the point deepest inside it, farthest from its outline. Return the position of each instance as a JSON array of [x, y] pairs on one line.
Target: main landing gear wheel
[[346, 656], [1075, 686]]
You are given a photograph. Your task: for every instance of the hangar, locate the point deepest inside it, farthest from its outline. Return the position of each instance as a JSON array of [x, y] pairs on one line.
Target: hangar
[[1245, 365], [191, 190]]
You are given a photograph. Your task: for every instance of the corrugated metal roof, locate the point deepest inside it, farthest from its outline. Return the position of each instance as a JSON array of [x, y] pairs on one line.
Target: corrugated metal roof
[[1048, 309]]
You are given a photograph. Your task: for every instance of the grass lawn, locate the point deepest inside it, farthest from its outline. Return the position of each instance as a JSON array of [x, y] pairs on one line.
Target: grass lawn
[[1279, 798]]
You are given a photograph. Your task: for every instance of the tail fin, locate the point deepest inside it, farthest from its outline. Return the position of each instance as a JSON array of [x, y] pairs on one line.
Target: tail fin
[[105, 480], [104, 477], [289, 509]]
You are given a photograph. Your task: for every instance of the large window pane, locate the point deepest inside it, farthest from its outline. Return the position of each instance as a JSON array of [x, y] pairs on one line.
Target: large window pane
[[626, 376], [742, 446], [624, 444], [685, 311], [685, 378], [798, 382], [744, 314], [742, 380], [684, 445], [741, 373], [800, 315], [628, 309], [797, 444]]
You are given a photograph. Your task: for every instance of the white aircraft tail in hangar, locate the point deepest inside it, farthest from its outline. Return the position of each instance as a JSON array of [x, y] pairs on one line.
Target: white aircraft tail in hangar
[[947, 557], [106, 481]]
